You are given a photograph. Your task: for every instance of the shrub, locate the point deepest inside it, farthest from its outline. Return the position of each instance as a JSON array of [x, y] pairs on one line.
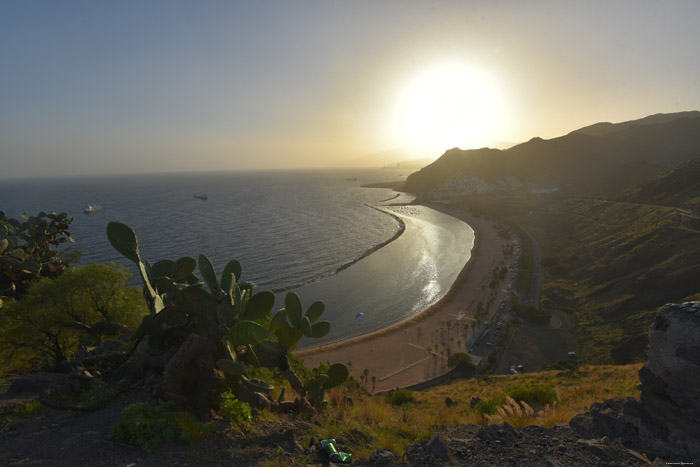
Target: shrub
[[489, 407], [58, 316], [461, 361], [234, 409], [29, 250], [533, 394], [402, 396], [147, 426]]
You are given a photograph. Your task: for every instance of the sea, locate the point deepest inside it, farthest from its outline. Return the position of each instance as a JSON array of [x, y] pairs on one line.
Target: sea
[[371, 257]]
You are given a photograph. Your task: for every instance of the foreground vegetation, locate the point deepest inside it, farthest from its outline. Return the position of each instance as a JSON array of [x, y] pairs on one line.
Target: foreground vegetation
[[364, 423], [374, 422]]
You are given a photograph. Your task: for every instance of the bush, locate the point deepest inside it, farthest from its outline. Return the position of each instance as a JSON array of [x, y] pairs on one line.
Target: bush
[[234, 409], [29, 251], [58, 316], [533, 394], [147, 426], [402, 396], [460, 361], [490, 406]]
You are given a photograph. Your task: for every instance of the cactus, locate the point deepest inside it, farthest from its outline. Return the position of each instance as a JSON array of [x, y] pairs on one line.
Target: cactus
[[336, 375], [240, 325], [290, 323]]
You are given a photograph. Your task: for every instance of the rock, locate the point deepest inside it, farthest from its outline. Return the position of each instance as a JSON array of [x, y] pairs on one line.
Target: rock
[[427, 452], [504, 433], [383, 457], [287, 406], [292, 441], [437, 447], [665, 422], [261, 401], [42, 384], [671, 377]]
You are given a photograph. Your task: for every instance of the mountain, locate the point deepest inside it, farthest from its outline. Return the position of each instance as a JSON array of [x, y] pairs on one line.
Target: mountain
[[600, 159], [604, 128]]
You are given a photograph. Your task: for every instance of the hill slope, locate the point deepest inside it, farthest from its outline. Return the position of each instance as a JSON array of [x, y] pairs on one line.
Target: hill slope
[[610, 264], [679, 188]]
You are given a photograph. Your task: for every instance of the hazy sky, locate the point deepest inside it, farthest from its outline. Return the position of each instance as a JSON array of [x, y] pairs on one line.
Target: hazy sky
[[127, 86]]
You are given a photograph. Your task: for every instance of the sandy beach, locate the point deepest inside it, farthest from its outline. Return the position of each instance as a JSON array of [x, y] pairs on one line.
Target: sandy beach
[[416, 349]]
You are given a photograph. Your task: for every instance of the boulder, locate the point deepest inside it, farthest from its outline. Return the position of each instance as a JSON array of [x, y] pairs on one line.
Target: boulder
[[383, 458], [42, 384], [665, 422]]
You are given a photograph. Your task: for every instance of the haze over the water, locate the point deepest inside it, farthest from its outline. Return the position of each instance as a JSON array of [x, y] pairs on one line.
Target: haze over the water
[[130, 86]]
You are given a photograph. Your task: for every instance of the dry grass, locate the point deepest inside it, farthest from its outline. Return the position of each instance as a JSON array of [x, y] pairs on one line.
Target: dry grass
[[370, 423]]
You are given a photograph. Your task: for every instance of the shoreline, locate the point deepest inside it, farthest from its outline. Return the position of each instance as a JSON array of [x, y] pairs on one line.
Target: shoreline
[[432, 309], [409, 350]]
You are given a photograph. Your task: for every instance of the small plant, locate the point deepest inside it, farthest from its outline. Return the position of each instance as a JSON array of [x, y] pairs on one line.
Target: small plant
[[533, 394], [514, 413], [235, 409], [402, 396], [147, 426], [29, 409]]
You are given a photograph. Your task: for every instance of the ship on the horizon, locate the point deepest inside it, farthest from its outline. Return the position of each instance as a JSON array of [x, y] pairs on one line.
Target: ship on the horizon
[[90, 208]]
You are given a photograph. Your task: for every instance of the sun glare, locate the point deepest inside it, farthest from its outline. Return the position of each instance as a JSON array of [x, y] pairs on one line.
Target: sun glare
[[449, 105]]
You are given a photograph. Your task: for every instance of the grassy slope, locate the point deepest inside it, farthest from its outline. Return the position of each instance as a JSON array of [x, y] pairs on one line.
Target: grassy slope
[[373, 423], [611, 265]]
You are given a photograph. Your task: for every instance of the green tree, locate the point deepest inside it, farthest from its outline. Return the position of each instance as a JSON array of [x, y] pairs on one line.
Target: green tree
[[461, 361], [78, 309], [29, 250]]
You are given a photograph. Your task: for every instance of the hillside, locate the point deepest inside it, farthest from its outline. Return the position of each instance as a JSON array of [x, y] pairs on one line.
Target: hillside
[[679, 187], [592, 161], [588, 416], [360, 423], [610, 265]]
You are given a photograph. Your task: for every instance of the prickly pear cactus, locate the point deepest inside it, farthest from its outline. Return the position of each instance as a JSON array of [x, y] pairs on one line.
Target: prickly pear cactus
[[230, 328]]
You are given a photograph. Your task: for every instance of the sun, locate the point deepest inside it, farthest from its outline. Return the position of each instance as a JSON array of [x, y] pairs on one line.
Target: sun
[[448, 105]]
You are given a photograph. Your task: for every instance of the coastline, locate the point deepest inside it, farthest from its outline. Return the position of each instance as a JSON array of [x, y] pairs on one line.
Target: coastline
[[409, 350]]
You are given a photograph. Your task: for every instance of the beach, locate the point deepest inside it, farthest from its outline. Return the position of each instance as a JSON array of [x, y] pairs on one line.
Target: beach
[[395, 282], [416, 350]]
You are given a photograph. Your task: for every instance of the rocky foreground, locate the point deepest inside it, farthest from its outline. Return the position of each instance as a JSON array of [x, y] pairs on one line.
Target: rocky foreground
[[661, 428]]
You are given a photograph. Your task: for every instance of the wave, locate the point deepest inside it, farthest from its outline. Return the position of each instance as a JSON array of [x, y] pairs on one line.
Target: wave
[[397, 234]]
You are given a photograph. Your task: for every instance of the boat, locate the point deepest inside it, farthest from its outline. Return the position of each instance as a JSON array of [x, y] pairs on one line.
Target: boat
[[90, 208], [202, 196]]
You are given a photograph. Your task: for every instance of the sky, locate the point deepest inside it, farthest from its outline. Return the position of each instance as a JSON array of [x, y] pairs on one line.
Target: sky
[[93, 87]]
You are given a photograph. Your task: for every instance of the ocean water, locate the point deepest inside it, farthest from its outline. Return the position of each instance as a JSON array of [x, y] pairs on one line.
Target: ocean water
[[293, 230]]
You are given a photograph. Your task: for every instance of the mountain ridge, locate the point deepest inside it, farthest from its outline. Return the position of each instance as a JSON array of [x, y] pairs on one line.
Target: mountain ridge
[[578, 162]]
